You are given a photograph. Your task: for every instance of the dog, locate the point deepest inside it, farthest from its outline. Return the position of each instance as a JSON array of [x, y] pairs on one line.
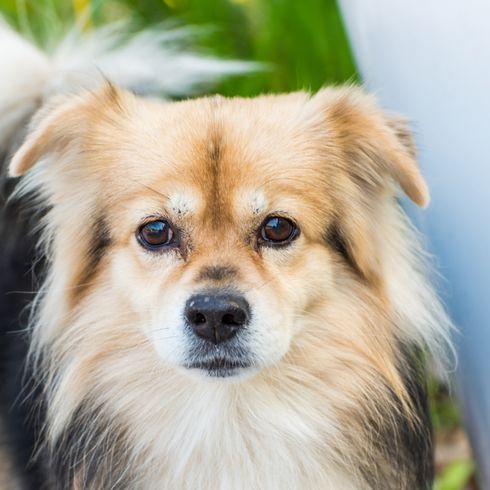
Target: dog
[[232, 296]]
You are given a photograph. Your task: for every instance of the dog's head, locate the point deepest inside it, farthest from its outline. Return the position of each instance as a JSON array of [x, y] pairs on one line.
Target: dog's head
[[227, 231]]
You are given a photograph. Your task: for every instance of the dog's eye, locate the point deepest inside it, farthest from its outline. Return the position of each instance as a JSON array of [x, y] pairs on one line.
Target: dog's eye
[[156, 234], [278, 231]]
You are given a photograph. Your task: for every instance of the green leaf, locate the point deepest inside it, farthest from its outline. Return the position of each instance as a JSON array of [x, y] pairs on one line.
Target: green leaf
[[455, 476]]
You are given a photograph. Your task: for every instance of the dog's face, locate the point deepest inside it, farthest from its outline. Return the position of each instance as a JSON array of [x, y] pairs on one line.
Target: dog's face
[[222, 221], [222, 229]]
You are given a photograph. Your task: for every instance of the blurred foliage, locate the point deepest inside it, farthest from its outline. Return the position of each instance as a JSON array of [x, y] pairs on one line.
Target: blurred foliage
[[303, 41], [444, 412], [456, 476], [446, 417]]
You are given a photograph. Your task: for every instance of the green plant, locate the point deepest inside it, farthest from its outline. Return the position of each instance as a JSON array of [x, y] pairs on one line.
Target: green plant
[[455, 476]]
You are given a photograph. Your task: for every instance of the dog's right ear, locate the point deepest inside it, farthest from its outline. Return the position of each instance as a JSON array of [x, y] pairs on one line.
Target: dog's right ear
[[53, 128], [59, 126]]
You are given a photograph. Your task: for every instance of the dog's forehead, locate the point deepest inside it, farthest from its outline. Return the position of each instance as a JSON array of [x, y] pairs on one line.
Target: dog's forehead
[[223, 156], [221, 145]]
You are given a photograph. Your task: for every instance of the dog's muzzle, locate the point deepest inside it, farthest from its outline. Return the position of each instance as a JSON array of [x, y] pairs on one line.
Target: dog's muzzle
[[217, 319]]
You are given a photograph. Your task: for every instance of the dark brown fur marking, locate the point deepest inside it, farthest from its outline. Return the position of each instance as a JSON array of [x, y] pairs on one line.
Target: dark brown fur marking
[[217, 273], [336, 239], [215, 151], [99, 243]]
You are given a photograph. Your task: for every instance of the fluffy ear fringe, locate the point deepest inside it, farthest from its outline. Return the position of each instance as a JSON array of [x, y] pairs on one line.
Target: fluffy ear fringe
[[401, 162], [54, 129], [377, 150], [379, 145]]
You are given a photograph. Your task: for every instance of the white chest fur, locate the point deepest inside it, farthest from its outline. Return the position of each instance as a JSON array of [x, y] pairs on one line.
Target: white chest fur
[[219, 436]]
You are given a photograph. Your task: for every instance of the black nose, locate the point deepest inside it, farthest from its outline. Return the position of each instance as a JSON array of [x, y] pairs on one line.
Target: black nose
[[217, 316]]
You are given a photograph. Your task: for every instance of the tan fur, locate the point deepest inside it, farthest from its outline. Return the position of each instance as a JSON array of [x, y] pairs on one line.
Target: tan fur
[[330, 330]]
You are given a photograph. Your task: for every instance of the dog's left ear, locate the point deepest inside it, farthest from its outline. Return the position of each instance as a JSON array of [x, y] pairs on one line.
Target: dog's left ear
[[402, 163], [368, 152], [377, 146]]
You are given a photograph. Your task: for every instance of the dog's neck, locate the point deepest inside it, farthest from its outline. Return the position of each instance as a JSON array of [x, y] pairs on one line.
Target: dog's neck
[[212, 434]]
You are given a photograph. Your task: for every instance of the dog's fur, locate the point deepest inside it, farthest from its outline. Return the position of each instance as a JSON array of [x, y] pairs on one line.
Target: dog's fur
[[334, 394]]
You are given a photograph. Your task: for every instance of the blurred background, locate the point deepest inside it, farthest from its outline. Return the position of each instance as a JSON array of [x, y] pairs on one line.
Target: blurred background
[[304, 46], [303, 41]]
